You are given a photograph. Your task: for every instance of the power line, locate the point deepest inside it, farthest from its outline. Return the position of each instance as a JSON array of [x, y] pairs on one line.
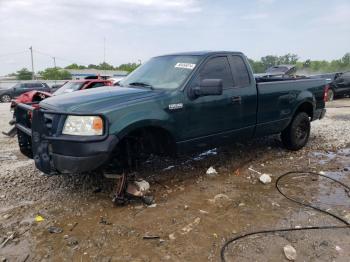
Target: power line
[[57, 57], [13, 53], [104, 50], [52, 56]]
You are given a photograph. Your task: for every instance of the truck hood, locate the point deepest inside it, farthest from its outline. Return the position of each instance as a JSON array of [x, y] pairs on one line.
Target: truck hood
[[97, 100]]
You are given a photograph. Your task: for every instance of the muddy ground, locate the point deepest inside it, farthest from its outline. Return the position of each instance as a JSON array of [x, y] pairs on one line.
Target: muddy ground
[[187, 223]]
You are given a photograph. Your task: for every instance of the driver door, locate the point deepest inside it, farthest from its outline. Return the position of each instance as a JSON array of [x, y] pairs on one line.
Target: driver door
[[211, 117]]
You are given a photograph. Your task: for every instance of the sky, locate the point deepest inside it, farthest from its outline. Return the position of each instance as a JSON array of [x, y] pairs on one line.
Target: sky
[[74, 30]]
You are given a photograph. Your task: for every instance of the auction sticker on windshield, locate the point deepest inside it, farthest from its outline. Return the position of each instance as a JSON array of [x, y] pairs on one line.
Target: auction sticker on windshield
[[185, 65]]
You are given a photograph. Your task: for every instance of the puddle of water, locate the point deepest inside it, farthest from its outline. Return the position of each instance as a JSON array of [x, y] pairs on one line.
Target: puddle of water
[[324, 158], [319, 191], [331, 193], [327, 157], [344, 152], [168, 168], [211, 152]]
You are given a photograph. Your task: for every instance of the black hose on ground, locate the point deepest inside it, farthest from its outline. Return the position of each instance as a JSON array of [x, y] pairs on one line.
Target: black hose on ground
[[347, 224]]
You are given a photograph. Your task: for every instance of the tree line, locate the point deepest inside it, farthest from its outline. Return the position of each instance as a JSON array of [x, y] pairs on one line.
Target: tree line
[[105, 66], [306, 67], [58, 73]]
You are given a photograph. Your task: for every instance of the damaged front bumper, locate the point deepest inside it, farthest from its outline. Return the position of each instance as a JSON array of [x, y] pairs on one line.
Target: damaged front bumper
[[40, 138]]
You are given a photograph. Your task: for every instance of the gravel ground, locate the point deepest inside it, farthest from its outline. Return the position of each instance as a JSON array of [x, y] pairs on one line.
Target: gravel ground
[[190, 224], [334, 129]]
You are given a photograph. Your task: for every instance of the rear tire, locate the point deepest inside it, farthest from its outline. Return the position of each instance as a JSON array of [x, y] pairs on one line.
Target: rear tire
[[330, 95], [296, 135], [5, 98]]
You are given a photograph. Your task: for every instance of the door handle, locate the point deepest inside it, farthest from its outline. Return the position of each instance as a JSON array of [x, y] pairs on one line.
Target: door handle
[[237, 100]]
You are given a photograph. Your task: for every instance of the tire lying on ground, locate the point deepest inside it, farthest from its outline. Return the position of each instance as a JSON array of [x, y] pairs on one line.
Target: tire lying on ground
[[296, 135]]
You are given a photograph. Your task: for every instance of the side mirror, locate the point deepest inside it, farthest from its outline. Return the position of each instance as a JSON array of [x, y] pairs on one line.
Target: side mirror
[[209, 87]]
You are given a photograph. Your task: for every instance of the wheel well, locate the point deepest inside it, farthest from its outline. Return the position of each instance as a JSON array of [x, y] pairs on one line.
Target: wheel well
[[307, 108], [138, 145], [151, 139]]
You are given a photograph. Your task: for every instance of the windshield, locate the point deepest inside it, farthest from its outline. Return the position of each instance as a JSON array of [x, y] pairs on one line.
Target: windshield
[[164, 72], [69, 87]]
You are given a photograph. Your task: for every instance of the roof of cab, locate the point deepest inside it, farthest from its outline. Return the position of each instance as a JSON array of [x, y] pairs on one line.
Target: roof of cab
[[203, 53]]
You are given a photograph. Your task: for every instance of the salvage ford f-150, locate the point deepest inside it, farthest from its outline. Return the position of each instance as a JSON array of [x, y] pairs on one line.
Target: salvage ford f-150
[[172, 103]]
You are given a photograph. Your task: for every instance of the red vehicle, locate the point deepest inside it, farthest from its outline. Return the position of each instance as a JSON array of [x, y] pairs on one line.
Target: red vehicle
[[70, 86], [34, 97]]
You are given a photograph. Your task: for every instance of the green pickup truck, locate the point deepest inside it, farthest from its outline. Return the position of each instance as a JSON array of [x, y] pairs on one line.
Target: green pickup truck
[[171, 104]]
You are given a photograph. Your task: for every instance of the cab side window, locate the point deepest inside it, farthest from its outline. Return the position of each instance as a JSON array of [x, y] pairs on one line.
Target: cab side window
[[217, 68], [240, 71], [37, 86], [32, 86]]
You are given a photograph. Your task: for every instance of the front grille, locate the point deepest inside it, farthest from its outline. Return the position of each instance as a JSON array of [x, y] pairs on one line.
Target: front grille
[[23, 116], [48, 122]]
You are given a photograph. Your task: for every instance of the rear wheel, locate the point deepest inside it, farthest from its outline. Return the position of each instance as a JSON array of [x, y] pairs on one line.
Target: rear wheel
[[330, 94], [5, 98], [296, 135]]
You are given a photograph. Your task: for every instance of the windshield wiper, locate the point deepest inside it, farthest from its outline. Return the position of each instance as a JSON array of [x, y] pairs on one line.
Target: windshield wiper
[[141, 84]]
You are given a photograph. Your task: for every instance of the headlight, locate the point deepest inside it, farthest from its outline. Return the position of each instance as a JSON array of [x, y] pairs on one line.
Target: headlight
[[83, 126]]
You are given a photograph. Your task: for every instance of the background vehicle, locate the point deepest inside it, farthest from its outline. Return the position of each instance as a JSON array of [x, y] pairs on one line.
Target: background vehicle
[[56, 87], [279, 71], [7, 94], [329, 77], [116, 80], [76, 85], [287, 70], [34, 97], [171, 104], [339, 84], [69, 86]]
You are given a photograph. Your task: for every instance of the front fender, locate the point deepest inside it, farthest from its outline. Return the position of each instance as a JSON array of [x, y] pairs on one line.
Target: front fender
[[143, 123], [132, 121]]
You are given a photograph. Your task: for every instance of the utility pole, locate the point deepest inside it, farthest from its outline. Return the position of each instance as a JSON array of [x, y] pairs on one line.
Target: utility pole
[[54, 63], [31, 55], [104, 49]]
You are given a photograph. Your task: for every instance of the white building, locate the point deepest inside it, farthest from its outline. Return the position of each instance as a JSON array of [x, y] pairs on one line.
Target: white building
[[82, 73]]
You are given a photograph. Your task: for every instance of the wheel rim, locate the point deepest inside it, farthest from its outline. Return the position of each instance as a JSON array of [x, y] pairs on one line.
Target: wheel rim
[[330, 95], [5, 98], [301, 131]]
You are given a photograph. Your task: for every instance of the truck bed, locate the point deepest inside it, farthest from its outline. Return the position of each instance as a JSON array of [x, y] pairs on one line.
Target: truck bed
[[277, 99]]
